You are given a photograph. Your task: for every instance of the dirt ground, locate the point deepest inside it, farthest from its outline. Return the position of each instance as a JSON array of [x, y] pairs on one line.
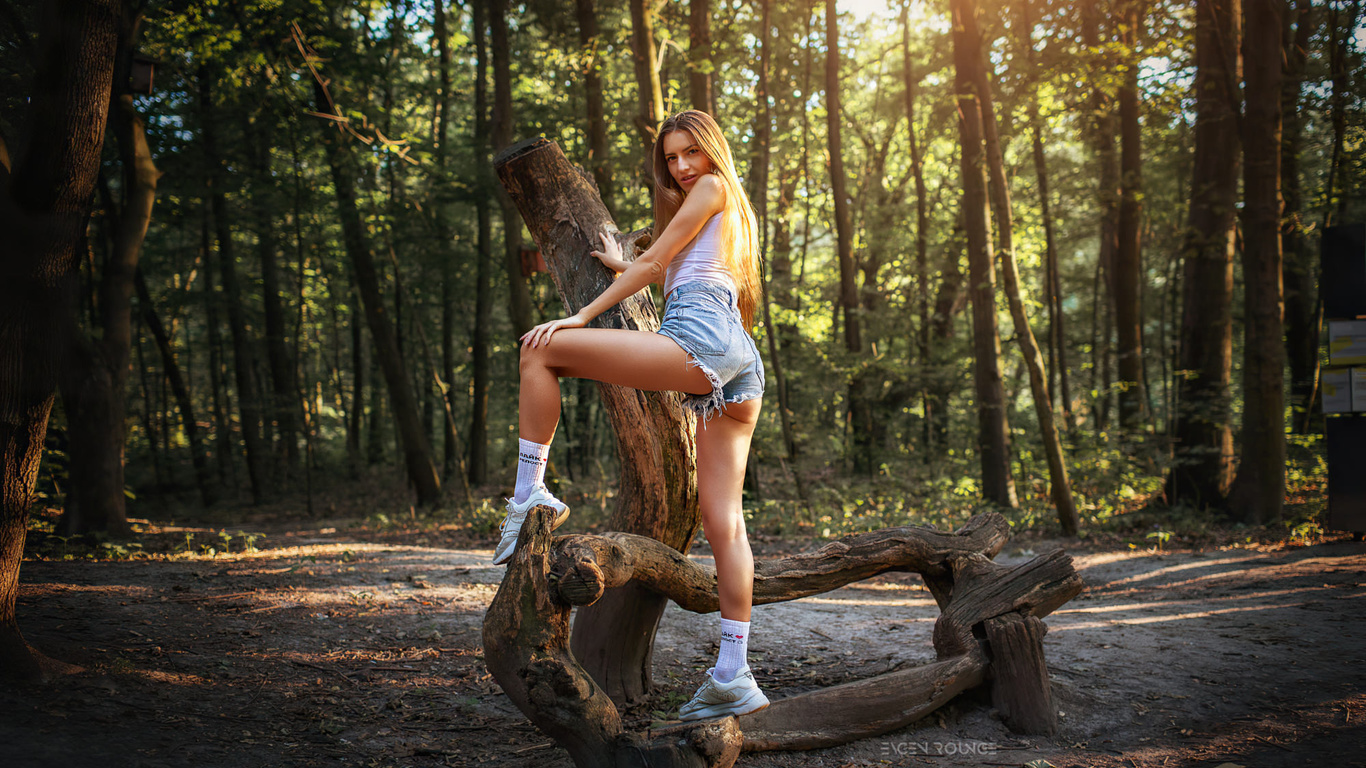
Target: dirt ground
[[338, 647]]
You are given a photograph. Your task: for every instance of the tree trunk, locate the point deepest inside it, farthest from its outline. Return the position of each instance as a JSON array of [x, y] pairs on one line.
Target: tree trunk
[[1258, 493], [184, 402], [1201, 464], [416, 453], [950, 299], [763, 135], [244, 360], [651, 98], [483, 293], [599, 146], [700, 66], [1058, 385], [843, 226], [224, 445], [353, 427], [922, 265], [286, 396], [1060, 486], [44, 209], [1102, 135], [1298, 259], [519, 297], [445, 249], [93, 393], [1127, 280], [658, 484], [992, 433]]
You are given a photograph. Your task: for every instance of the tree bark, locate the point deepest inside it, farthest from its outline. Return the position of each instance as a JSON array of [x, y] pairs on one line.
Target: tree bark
[[526, 645], [1102, 136], [651, 98], [922, 265], [658, 484], [244, 360], [1258, 493], [1298, 259], [519, 297], [1127, 280], [763, 134], [445, 249], [1060, 486], [483, 293], [286, 397], [218, 385], [1058, 383], [44, 208], [992, 432], [184, 402], [416, 453], [700, 66], [1203, 453], [844, 228], [93, 392], [599, 147]]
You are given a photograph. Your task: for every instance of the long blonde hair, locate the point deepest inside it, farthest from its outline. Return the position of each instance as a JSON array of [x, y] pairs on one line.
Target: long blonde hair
[[739, 224]]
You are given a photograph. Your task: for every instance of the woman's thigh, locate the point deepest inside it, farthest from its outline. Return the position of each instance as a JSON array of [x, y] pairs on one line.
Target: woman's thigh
[[722, 452], [636, 359]]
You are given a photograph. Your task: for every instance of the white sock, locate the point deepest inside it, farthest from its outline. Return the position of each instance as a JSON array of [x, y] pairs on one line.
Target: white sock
[[734, 644], [531, 460]]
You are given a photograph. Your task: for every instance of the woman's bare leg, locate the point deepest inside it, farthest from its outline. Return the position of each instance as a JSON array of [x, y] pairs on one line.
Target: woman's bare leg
[[636, 359], [722, 448]]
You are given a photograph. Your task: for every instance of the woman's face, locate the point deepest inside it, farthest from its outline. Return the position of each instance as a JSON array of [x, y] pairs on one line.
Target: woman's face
[[686, 160]]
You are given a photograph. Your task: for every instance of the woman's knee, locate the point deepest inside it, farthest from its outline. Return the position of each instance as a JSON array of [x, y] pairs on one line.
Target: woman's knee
[[723, 527], [534, 358]]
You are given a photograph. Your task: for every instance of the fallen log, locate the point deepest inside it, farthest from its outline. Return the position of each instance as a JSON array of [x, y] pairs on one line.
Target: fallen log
[[584, 567]]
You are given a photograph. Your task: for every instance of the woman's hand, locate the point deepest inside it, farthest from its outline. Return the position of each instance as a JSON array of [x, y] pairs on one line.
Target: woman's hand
[[541, 333], [610, 255]]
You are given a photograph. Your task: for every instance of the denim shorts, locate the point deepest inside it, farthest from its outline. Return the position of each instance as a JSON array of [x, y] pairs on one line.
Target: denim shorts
[[704, 319]]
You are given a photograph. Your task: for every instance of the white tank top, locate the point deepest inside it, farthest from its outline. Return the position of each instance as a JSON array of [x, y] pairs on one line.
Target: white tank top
[[700, 259]]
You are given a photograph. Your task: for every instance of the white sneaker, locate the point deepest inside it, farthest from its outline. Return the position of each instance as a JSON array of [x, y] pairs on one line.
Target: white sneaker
[[716, 699], [512, 522]]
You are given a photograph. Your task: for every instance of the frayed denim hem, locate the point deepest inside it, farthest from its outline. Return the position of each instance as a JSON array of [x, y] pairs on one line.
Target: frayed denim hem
[[705, 407]]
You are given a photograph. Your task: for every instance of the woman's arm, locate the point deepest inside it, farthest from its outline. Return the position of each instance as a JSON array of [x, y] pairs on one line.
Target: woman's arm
[[706, 199]]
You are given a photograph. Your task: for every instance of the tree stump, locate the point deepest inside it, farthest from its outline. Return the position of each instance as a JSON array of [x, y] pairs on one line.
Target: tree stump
[[1020, 689]]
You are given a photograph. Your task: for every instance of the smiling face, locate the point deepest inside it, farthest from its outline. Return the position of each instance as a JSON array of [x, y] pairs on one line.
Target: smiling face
[[685, 159]]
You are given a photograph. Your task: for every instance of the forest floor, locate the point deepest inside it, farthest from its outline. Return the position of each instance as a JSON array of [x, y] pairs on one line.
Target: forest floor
[[341, 644]]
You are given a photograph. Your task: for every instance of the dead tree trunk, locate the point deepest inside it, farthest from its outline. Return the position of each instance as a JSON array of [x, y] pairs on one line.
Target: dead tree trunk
[[658, 486], [526, 647]]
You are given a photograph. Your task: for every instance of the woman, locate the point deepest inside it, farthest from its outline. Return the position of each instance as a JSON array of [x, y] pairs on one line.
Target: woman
[[706, 252]]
